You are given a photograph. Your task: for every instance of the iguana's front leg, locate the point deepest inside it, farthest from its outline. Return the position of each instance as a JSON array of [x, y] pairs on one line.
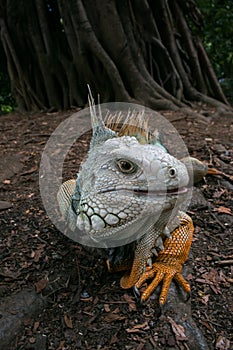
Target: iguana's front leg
[[142, 257], [169, 262]]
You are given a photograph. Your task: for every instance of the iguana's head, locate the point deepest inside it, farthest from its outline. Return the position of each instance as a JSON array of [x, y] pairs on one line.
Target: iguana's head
[[126, 181]]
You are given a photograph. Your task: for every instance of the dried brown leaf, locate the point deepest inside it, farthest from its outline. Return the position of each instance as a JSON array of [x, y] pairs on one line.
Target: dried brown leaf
[[222, 343], [216, 290], [131, 302], [114, 339], [223, 210], [177, 329], [68, 321], [201, 280], [116, 310], [137, 328], [61, 346], [106, 308], [205, 299], [38, 252], [36, 326], [40, 285], [222, 277], [213, 279], [207, 325], [111, 317]]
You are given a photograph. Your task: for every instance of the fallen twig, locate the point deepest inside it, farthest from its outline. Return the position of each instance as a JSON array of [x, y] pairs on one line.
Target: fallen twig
[[224, 262]]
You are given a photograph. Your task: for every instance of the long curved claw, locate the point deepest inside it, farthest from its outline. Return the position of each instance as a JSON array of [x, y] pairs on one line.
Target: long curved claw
[[188, 296], [182, 282], [136, 291]]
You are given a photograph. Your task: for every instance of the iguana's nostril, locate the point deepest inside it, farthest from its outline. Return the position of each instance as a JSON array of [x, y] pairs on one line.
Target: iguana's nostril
[[172, 172]]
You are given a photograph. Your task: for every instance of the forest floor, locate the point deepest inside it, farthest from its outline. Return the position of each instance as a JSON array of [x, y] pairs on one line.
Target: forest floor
[[85, 307]]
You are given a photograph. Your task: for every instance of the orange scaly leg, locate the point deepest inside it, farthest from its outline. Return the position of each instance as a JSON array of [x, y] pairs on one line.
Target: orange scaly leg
[[168, 264]]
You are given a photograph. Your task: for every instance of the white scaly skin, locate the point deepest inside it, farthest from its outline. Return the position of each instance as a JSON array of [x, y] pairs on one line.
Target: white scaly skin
[[126, 191], [117, 204]]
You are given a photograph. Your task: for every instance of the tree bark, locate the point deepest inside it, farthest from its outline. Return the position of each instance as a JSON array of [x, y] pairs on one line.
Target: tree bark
[[137, 51]]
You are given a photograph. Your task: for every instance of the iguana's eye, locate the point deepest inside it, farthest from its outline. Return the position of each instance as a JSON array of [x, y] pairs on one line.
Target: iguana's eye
[[126, 166]]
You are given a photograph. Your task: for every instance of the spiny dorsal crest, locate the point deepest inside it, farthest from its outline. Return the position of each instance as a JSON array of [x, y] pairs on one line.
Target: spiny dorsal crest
[[133, 124], [100, 132], [118, 124]]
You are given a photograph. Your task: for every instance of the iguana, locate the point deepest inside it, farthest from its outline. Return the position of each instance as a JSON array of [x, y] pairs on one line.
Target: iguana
[[131, 189]]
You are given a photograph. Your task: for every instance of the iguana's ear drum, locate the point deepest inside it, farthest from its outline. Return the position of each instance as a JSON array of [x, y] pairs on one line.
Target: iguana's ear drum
[[100, 132]]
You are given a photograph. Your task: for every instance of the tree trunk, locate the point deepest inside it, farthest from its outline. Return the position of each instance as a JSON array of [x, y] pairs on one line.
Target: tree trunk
[[138, 51]]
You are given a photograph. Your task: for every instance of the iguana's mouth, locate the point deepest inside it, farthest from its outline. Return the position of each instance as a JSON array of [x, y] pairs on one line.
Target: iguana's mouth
[[172, 191], [148, 191]]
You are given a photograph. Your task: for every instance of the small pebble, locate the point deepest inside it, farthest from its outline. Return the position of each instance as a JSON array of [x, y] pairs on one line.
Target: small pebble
[[85, 295]]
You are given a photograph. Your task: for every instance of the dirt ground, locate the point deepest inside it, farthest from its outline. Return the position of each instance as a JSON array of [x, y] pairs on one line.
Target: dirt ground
[[86, 308]]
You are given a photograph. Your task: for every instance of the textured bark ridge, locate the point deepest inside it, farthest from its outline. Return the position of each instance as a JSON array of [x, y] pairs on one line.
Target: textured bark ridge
[[138, 51]]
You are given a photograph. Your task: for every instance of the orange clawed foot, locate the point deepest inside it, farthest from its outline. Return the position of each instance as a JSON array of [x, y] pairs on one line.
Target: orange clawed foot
[[162, 272], [167, 266]]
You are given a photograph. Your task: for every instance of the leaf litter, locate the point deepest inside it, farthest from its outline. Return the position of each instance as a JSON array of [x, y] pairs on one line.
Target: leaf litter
[[34, 253]]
